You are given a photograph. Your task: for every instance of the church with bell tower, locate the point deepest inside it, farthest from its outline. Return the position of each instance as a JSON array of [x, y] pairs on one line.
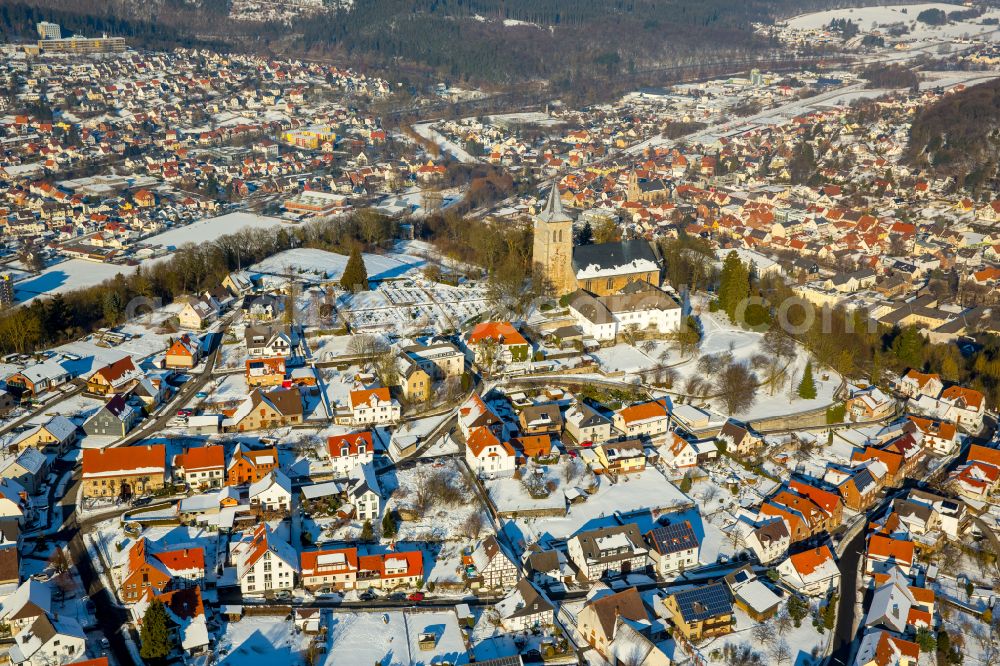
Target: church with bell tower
[[552, 253]]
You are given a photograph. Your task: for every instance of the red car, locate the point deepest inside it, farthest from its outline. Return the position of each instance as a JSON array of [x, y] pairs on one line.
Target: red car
[[184, 412], [587, 444], [416, 596]]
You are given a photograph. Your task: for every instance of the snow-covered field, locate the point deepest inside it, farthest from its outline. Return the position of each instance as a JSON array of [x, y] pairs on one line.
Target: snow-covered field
[[209, 229], [393, 639], [427, 131], [320, 265], [66, 276], [260, 641], [646, 490], [868, 18]]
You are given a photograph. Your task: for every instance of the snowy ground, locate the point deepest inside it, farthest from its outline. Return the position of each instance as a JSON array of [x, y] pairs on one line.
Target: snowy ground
[[442, 522], [427, 131], [260, 641], [869, 18], [322, 266], [209, 229], [392, 639], [647, 490], [66, 276]]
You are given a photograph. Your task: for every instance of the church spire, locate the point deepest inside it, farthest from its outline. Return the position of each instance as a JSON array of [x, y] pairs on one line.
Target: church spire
[[553, 210]]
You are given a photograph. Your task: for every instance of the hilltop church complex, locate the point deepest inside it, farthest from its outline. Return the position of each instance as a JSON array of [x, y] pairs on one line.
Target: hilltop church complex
[[602, 269]]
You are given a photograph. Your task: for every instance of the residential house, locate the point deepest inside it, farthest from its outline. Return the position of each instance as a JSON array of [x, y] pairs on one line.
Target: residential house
[[365, 494], [678, 452], [273, 341], [273, 493], [885, 552], [768, 540], [644, 419], [125, 471], [183, 353], [55, 435], [349, 451], [497, 343], [965, 406], [751, 595], [586, 424], [197, 313], [439, 360], [28, 468], [31, 600], [149, 572], [624, 457], [38, 379], [739, 439], [701, 612], [115, 419], [114, 379], [487, 456], [882, 648], [371, 407], [914, 384], [869, 404], [489, 566], [400, 569], [262, 410], [524, 608], [475, 413], [617, 550], [329, 570], [812, 572], [250, 465], [604, 613], [265, 371], [672, 549], [49, 640], [201, 467], [544, 419], [264, 562]]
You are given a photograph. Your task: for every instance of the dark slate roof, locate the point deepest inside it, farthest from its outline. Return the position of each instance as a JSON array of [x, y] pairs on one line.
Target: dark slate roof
[[612, 255], [704, 602], [673, 538]]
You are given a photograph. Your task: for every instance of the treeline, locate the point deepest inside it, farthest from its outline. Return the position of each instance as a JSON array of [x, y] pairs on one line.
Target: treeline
[[848, 342], [91, 19], [891, 76], [957, 136], [192, 269]]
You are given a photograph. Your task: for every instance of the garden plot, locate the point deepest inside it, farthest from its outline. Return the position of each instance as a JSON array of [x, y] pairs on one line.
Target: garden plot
[[439, 500], [647, 490], [321, 266], [541, 487], [393, 639], [781, 643], [410, 310], [258, 640], [722, 337]]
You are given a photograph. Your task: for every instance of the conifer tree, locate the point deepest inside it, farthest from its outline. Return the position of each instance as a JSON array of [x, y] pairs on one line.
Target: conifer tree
[[355, 277], [807, 387], [734, 284], [155, 634]]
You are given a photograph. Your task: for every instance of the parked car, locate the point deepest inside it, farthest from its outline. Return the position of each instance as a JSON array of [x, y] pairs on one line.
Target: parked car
[[184, 413], [201, 395], [587, 444], [416, 596], [367, 595]]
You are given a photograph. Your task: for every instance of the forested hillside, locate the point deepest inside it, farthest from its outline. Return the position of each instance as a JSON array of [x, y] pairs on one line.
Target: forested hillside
[[959, 136], [499, 41]]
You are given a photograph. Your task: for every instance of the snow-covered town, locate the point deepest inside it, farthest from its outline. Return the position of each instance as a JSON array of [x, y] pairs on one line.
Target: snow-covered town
[[703, 375]]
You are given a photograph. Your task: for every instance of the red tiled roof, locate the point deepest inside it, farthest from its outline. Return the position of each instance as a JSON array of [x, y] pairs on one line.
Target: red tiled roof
[[124, 460]]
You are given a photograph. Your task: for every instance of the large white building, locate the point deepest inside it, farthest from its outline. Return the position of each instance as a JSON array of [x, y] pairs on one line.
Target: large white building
[[265, 562], [639, 306]]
